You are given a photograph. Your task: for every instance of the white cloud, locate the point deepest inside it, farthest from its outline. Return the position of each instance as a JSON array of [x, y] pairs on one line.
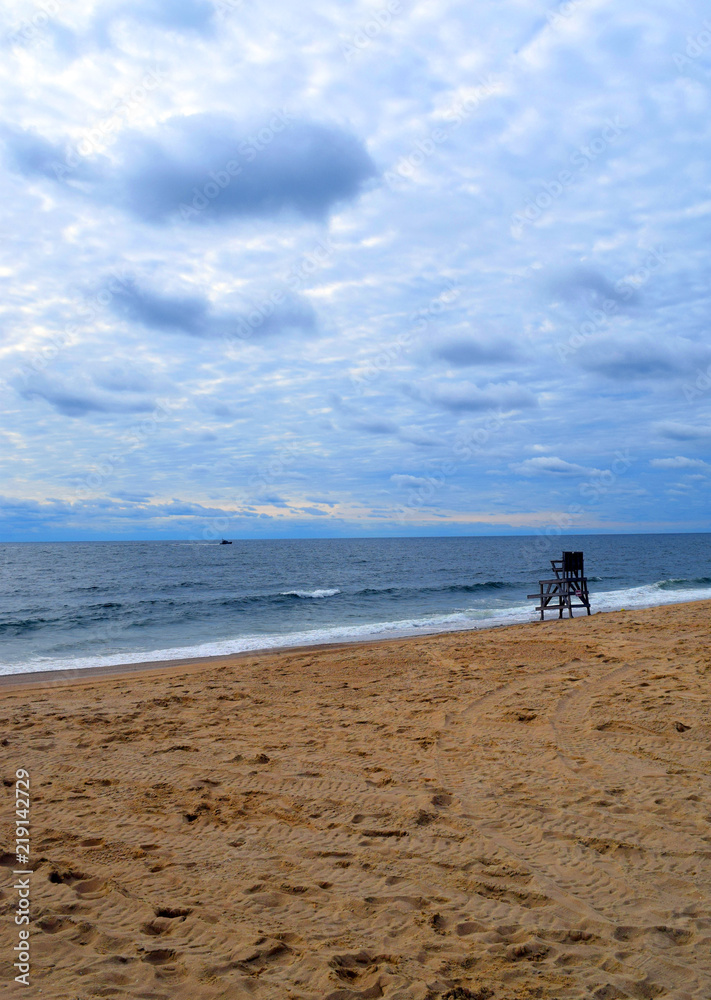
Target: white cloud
[[403, 481], [684, 432], [552, 466], [679, 463]]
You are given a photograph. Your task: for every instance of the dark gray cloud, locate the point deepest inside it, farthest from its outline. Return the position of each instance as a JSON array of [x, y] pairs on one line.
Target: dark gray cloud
[[551, 465], [678, 431], [210, 167], [585, 285], [186, 313], [193, 314], [465, 351], [206, 167], [642, 357], [462, 397], [376, 426], [24, 511], [30, 154], [420, 438], [132, 496], [77, 397]]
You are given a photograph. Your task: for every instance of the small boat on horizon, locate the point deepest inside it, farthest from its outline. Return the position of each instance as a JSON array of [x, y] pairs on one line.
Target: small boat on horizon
[[225, 542]]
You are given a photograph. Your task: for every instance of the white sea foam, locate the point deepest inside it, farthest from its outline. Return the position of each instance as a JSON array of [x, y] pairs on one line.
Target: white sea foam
[[311, 593], [649, 595]]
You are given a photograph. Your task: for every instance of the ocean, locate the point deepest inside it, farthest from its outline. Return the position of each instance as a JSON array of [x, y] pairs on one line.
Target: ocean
[[73, 605]]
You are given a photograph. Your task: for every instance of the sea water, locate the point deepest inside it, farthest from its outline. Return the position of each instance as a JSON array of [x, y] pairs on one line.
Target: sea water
[[73, 605]]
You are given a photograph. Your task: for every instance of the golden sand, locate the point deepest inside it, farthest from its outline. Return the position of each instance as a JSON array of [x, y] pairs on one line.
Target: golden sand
[[521, 812]]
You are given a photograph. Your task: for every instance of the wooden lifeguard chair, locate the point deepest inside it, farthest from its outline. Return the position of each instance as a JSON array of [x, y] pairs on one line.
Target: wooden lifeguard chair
[[568, 589]]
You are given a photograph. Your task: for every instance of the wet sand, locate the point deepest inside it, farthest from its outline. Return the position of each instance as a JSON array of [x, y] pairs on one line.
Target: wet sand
[[514, 813]]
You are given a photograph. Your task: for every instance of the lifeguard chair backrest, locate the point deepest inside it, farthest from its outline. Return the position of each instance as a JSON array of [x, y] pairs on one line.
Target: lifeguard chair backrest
[[572, 564]]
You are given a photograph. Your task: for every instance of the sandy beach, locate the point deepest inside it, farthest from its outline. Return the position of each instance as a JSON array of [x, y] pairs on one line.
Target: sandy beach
[[512, 813]]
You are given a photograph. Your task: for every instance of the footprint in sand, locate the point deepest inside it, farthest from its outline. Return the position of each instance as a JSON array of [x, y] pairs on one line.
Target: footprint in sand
[[91, 888], [159, 956], [66, 877], [53, 925], [172, 913], [156, 928]]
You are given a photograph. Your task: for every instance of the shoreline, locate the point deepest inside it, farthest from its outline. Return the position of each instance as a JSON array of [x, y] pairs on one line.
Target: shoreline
[[192, 663], [80, 675]]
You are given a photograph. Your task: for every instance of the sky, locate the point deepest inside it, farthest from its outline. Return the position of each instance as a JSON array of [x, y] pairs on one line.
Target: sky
[[355, 268]]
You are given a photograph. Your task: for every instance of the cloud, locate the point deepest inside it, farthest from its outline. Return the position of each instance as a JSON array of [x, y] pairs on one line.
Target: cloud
[[189, 314], [183, 15], [642, 357], [413, 435], [194, 315], [122, 377], [679, 463], [376, 426], [77, 398], [464, 351], [110, 18], [552, 466], [208, 167], [678, 431], [30, 154], [463, 396], [587, 285], [405, 482], [137, 496]]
